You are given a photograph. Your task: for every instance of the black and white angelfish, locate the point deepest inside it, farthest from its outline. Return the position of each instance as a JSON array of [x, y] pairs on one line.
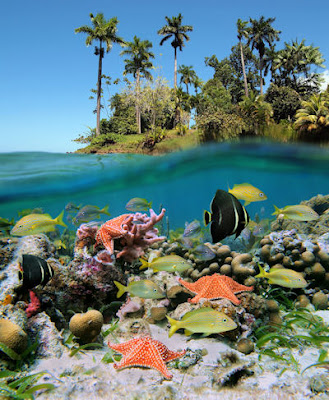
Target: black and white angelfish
[[34, 271], [227, 216]]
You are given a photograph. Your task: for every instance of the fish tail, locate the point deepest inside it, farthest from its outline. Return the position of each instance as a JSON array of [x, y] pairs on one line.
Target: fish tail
[[144, 265], [277, 210], [262, 272], [121, 287], [150, 204], [206, 217], [105, 210], [174, 325], [59, 220]]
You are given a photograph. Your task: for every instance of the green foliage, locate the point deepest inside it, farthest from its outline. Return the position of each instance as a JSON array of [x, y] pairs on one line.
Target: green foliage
[[284, 100], [218, 125], [18, 360], [181, 129], [312, 120], [21, 388], [278, 341], [214, 97], [292, 67], [256, 112]]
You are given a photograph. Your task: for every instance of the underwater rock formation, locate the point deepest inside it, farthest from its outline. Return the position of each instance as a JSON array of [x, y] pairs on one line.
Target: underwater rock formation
[[86, 326]]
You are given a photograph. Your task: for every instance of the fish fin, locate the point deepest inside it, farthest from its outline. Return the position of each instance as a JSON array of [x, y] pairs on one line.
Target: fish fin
[[59, 219], [174, 325], [121, 287], [277, 210], [246, 203], [207, 217], [262, 272], [105, 210], [150, 204], [187, 332], [144, 265]]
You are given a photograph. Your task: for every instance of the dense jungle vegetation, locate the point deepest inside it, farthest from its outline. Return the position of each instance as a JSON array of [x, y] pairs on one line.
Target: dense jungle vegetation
[[150, 116]]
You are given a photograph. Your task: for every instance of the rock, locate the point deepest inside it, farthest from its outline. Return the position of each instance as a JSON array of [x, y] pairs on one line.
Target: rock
[[225, 269], [13, 336], [272, 305], [158, 313], [302, 301], [320, 301], [245, 346], [308, 257], [223, 251], [86, 326]]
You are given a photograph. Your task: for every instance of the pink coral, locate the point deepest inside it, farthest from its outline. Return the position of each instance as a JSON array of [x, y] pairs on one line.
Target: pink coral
[[34, 305], [85, 235], [140, 234]]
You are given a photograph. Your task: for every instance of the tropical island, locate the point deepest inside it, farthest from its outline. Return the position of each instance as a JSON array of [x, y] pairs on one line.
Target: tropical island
[[149, 116]]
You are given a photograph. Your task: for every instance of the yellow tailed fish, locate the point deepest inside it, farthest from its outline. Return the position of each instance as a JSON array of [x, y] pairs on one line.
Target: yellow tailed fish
[[247, 192], [283, 277], [145, 289], [299, 212], [36, 223], [169, 263], [203, 320]]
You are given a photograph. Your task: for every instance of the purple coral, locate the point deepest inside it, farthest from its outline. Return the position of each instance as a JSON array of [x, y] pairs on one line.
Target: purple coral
[[141, 234]]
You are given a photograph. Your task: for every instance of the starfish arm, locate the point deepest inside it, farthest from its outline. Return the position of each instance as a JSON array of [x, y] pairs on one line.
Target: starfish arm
[[144, 354], [188, 285], [125, 347]]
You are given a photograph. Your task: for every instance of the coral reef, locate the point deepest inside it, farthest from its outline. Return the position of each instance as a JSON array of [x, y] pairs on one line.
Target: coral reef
[[12, 336], [87, 326]]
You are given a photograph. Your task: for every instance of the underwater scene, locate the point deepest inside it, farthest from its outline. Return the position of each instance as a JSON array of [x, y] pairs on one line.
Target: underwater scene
[[198, 273]]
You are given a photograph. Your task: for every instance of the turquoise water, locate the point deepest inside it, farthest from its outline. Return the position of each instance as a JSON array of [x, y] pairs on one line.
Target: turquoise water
[[184, 182]]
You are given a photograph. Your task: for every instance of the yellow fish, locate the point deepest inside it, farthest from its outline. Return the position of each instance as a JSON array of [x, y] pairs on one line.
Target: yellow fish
[[59, 244], [169, 263], [144, 288], [247, 192], [36, 223], [203, 320], [283, 277], [300, 212]]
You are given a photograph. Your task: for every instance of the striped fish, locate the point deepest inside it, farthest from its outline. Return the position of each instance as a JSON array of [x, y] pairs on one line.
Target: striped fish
[[227, 216], [34, 271], [36, 223]]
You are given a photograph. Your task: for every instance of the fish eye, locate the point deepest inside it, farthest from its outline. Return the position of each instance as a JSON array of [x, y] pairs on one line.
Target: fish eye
[[261, 194], [224, 320]]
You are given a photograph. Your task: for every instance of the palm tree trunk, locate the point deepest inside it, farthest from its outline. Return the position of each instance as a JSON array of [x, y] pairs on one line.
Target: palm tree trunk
[[261, 75], [99, 87], [138, 111], [175, 68], [244, 72]]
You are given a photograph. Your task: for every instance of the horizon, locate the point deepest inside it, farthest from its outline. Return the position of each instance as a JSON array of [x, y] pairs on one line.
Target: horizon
[[49, 71]]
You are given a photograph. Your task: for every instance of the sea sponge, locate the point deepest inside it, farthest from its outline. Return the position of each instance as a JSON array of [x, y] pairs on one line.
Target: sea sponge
[[87, 326], [12, 336]]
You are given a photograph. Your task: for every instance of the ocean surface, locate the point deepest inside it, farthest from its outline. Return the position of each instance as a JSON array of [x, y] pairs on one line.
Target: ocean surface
[[184, 182]]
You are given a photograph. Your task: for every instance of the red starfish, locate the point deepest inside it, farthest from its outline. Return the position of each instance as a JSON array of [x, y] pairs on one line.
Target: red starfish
[[215, 286], [145, 352], [112, 229]]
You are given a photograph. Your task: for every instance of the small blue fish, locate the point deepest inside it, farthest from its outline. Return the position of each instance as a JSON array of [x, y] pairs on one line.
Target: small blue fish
[[192, 229], [203, 252], [137, 204]]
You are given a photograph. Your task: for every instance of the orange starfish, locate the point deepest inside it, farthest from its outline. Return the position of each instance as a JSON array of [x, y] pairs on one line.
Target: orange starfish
[[215, 286], [145, 352], [112, 229]]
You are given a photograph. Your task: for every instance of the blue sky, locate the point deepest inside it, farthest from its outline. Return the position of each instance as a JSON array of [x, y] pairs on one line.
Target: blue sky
[[47, 71]]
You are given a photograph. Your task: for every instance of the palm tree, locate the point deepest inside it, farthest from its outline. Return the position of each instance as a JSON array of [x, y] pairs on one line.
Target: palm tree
[[243, 33], [294, 60], [188, 75], [175, 29], [259, 33], [138, 65], [105, 32], [257, 111], [313, 117]]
